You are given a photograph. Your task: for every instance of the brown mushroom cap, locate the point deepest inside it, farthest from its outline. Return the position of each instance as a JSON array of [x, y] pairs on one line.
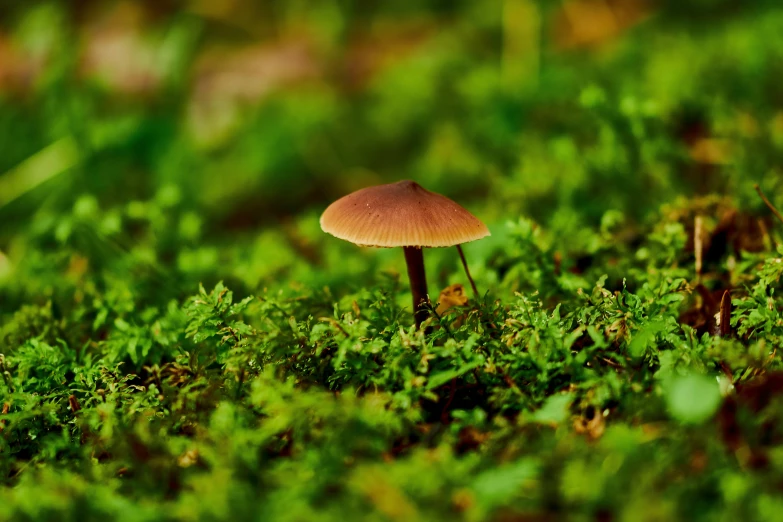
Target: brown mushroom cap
[[401, 214]]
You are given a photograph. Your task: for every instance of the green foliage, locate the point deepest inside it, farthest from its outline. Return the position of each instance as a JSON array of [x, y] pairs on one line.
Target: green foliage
[[180, 341], [692, 398]]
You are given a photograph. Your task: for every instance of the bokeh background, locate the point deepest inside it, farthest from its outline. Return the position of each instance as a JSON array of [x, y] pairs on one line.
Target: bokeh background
[[167, 143], [147, 147]]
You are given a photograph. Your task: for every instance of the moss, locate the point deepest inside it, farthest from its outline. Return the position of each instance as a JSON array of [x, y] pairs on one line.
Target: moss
[[180, 341]]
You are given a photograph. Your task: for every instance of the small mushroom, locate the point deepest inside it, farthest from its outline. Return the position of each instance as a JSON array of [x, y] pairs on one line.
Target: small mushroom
[[403, 214]]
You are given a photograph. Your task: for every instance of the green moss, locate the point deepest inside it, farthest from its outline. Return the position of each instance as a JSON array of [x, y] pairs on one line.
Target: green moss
[[180, 341]]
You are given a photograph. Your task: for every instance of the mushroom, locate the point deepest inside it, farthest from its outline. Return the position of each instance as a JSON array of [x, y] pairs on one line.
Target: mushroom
[[403, 214]]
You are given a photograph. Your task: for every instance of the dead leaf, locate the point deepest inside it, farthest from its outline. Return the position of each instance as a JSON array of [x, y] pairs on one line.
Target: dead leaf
[[591, 23], [591, 423], [188, 458], [450, 297]]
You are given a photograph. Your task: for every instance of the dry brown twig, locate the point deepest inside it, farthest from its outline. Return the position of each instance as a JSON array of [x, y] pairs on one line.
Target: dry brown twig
[[698, 243], [768, 203], [725, 314], [467, 272]]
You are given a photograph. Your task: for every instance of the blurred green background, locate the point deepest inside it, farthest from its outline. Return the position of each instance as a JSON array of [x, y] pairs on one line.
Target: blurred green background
[[187, 141], [147, 147]]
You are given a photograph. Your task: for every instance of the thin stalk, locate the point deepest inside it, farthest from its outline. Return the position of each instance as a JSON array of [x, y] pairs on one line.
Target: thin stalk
[[467, 272], [414, 258], [725, 315], [698, 244], [768, 203]]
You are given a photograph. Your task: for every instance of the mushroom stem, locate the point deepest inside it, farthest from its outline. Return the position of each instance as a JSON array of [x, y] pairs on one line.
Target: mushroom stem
[[465, 266], [414, 258]]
